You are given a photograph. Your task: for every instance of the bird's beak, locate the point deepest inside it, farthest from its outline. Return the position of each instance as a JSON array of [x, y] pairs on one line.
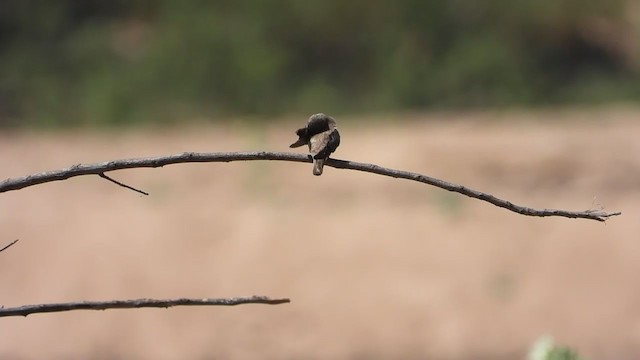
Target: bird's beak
[[298, 143]]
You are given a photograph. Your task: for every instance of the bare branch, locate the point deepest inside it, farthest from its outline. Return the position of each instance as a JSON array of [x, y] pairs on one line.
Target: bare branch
[[11, 243], [102, 175], [137, 303], [591, 214], [190, 157]]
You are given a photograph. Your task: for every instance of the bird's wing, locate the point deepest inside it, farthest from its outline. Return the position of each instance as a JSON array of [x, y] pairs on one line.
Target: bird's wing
[[323, 144], [318, 143]]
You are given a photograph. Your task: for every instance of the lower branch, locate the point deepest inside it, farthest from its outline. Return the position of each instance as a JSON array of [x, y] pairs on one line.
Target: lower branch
[[137, 303], [190, 157]]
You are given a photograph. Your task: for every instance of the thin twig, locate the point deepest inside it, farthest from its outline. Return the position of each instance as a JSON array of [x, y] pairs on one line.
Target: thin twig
[[137, 303], [102, 175], [191, 157], [11, 243]]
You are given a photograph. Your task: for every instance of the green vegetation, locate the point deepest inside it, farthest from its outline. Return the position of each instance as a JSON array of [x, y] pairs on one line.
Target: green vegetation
[[545, 349], [93, 62]]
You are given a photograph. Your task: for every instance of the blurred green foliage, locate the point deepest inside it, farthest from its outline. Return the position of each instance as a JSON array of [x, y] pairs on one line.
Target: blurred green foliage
[[77, 62], [546, 349]]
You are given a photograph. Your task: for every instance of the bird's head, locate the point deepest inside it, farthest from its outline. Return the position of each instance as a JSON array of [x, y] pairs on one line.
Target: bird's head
[[316, 124], [319, 123]]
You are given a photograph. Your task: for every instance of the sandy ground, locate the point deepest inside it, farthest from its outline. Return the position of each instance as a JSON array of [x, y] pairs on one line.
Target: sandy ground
[[376, 267]]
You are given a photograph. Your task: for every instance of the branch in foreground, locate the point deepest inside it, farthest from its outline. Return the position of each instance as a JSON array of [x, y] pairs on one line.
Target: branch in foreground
[[137, 303], [190, 157], [11, 243]]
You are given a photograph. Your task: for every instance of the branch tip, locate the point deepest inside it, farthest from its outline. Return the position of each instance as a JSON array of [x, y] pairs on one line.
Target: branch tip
[[9, 245]]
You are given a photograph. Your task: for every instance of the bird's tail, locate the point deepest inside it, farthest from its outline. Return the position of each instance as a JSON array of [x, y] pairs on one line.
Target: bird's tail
[[317, 166]]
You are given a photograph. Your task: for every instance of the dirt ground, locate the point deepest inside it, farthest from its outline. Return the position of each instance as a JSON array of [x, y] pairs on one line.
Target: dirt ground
[[376, 267]]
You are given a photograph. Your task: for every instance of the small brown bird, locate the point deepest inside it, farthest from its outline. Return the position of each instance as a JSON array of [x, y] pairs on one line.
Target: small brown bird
[[323, 138]]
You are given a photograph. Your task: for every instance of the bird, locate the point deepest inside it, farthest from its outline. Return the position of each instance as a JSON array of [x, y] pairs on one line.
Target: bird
[[323, 138]]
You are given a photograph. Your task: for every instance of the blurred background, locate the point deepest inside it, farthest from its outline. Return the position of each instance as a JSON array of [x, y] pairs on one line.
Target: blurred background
[[532, 101], [121, 62]]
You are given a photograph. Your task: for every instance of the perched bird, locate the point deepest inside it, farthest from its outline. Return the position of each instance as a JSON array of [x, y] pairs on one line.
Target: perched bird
[[323, 138]]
